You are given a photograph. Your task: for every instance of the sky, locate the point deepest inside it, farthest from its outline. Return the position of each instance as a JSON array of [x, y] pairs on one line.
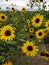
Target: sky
[[19, 3]]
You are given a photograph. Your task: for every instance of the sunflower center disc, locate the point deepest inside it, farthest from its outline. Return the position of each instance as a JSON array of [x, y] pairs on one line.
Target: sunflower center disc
[[7, 33], [31, 36], [37, 20], [3, 17], [47, 55], [40, 34], [23, 8], [48, 25], [12, 8], [30, 48]]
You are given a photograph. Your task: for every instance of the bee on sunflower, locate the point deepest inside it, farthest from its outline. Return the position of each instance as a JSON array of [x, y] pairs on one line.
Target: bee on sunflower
[[7, 33], [23, 9], [40, 34], [37, 20], [45, 55], [8, 63], [47, 25], [29, 48], [3, 17]]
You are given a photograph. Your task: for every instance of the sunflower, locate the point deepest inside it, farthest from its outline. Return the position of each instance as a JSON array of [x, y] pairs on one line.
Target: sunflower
[[40, 34], [3, 17], [37, 20], [47, 25], [38, 0], [31, 30], [7, 33], [45, 55], [23, 9], [29, 48], [13, 10], [28, 21], [8, 63]]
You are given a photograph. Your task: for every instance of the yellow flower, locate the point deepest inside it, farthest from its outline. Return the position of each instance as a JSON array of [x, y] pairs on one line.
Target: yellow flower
[[29, 48], [7, 33], [38, 0], [47, 25], [37, 20], [40, 34], [23, 9], [31, 30], [13, 9], [28, 21], [8, 63], [45, 55], [3, 17]]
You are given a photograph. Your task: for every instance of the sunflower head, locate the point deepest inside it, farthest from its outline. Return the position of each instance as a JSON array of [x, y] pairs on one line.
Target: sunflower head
[[37, 20], [3, 17], [23, 9], [28, 21], [31, 30], [13, 9], [38, 0], [8, 63], [45, 55], [8, 33], [47, 25], [40, 34], [29, 48]]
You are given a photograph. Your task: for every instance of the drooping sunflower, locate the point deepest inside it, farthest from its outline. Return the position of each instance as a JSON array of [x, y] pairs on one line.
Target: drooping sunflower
[[29, 48], [23, 9], [47, 25], [40, 34], [3, 17], [8, 63], [7, 33], [45, 55], [37, 20]]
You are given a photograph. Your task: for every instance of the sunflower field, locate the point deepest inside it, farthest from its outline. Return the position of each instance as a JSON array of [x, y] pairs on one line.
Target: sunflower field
[[23, 35]]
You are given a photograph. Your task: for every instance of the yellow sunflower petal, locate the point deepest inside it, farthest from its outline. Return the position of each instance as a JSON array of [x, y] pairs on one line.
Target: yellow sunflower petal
[[29, 48]]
